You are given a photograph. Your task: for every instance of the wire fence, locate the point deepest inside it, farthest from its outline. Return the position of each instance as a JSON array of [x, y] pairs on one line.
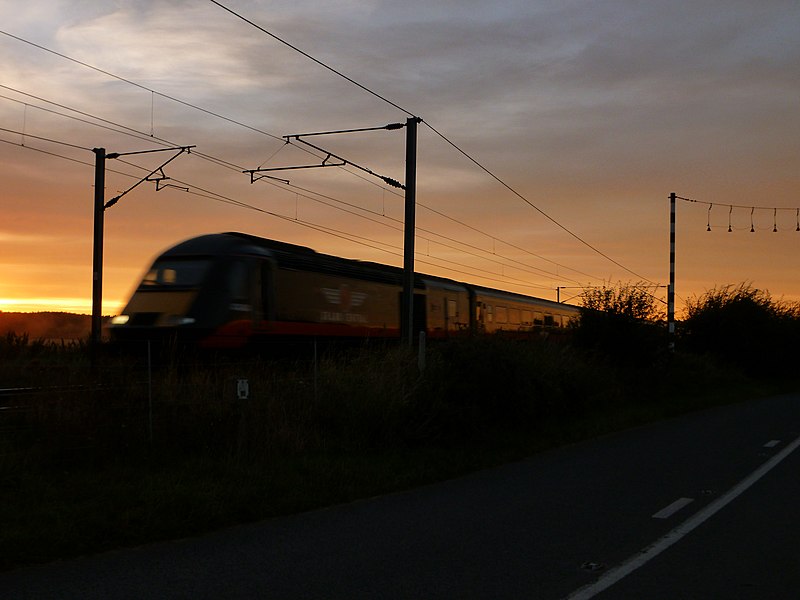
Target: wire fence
[[147, 401], [59, 406]]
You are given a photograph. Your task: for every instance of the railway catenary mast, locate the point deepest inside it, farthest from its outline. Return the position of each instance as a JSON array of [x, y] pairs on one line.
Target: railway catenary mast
[[671, 289]]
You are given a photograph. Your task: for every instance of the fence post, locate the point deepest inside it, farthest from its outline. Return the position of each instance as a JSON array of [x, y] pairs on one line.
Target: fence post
[[150, 393], [421, 352], [315, 370]]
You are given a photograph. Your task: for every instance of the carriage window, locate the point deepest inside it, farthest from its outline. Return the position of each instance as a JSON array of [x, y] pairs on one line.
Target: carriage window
[[502, 314], [538, 318], [266, 290], [176, 273], [489, 313], [549, 321], [452, 309], [527, 317], [238, 280], [513, 316]]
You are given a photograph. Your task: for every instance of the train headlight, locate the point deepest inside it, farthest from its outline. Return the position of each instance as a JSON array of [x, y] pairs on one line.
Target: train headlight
[[120, 319]]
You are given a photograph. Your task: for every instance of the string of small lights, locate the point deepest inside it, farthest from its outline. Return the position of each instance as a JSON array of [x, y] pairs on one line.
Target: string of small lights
[[751, 210]]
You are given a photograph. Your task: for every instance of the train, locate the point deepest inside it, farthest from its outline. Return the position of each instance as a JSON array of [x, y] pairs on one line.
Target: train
[[234, 290]]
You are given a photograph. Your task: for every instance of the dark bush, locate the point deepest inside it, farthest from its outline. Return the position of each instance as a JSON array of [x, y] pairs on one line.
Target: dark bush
[[744, 327], [621, 325], [481, 384]]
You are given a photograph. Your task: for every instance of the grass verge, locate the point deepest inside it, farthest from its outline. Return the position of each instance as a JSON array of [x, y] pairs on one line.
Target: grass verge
[[128, 462]]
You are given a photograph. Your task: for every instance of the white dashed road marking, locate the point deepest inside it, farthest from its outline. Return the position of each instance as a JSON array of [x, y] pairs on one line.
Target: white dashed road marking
[[641, 558], [666, 513]]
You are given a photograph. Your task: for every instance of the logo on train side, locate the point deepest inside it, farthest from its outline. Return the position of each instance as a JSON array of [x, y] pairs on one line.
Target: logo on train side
[[345, 300]]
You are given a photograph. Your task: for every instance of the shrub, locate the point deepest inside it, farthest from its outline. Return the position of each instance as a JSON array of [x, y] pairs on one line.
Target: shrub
[[480, 385], [622, 324], [745, 327]]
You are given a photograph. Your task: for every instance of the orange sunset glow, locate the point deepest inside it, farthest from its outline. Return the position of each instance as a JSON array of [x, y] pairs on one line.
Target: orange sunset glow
[[553, 135]]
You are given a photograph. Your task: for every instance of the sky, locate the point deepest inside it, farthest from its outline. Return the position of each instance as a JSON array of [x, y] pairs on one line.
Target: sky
[[553, 133]]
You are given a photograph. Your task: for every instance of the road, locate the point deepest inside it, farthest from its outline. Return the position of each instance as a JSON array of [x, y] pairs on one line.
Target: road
[[720, 486]]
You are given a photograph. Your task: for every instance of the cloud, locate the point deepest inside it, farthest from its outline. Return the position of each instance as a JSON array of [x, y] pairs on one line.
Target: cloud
[[10, 237], [593, 110], [164, 44]]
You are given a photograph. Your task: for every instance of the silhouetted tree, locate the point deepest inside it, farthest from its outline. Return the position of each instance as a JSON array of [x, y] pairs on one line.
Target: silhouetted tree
[[623, 323]]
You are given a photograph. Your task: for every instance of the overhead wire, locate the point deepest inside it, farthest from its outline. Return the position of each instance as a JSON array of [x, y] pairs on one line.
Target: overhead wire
[[367, 242], [138, 134], [234, 121], [442, 136], [220, 161], [482, 273], [307, 55], [33, 148], [44, 139], [364, 241], [242, 204], [68, 158], [103, 123], [195, 190], [122, 129], [490, 236], [521, 267], [532, 205], [744, 206], [139, 85]]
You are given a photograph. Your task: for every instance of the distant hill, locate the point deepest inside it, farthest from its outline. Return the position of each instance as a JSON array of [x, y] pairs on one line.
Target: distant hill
[[46, 325]]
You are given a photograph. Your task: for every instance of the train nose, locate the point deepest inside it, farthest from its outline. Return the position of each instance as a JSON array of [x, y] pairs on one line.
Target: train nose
[[151, 319]]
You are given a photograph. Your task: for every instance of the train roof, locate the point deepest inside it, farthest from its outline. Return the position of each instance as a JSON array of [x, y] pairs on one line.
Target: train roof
[[492, 293], [287, 256], [213, 244], [302, 258]]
